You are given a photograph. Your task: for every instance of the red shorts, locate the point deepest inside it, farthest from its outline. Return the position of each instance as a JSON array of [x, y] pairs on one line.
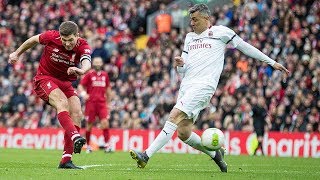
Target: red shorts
[[43, 85], [94, 109]]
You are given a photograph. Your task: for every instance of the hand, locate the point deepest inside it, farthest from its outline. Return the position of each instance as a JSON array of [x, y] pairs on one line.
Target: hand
[[13, 58], [178, 61], [75, 71], [278, 66]]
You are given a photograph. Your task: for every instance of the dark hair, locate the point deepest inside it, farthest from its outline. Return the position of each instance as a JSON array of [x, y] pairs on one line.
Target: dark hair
[[67, 28], [202, 8]]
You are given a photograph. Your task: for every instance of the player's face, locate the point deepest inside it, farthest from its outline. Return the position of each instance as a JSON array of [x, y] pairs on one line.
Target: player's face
[[69, 41], [198, 22], [97, 63]]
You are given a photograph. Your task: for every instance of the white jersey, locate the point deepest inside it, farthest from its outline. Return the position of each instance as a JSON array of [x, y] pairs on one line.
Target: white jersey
[[203, 55]]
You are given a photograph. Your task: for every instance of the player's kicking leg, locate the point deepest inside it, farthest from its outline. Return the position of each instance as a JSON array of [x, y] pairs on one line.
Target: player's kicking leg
[[163, 137], [192, 139]]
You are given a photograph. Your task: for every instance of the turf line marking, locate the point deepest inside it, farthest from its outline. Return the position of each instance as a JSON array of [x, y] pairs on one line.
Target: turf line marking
[[90, 166]]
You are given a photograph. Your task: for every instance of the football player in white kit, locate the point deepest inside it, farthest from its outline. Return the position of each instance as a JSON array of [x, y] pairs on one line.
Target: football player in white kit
[[200, 64]]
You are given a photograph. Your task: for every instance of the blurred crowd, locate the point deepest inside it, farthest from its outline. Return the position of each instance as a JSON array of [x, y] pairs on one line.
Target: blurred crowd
[[144, 84]]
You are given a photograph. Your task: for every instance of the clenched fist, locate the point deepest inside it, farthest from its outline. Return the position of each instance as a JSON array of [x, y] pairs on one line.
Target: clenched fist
[[13, 58]]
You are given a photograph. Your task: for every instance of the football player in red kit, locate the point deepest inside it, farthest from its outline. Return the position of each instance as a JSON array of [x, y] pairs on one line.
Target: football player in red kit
[[95, 88], [63, 52]]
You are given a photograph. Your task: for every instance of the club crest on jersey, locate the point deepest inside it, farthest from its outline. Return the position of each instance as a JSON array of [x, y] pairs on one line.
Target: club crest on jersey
[[87, 51], [72, 57], [210, 33]]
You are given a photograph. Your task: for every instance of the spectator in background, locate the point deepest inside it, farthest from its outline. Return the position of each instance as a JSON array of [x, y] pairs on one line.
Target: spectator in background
[[100, 51], [163, 20]]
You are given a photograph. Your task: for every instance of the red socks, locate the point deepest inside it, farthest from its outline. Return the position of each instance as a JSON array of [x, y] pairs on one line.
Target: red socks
[[106, 135], [68, 149], [67, 124], [88, 134], [71, 132]]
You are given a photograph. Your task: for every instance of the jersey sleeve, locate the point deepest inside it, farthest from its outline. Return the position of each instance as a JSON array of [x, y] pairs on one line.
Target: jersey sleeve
[[185, 52], [184, 55], [46, 37], [85, 51], [229, 36]]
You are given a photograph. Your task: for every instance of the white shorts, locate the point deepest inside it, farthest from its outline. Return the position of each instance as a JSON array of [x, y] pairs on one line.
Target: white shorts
[[194, 98]]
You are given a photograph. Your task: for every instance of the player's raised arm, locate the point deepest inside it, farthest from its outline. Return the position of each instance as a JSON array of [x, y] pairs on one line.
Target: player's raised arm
[[29, 43], [253, 52]]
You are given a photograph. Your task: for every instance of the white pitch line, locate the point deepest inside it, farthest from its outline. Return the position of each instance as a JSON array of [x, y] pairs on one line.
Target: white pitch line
[[90, 166]]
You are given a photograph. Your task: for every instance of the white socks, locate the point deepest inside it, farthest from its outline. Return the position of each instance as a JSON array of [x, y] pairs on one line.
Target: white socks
[[166, 134], [195, 141], [163, 137]]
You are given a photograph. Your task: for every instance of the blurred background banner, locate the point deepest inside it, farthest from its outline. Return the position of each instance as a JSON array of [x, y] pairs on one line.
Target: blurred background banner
[[237, 143]]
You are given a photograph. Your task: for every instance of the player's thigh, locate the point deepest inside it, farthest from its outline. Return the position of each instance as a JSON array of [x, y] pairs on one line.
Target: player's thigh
[[176, 116], [48, 90], [75, 109], [103, 115], [90, 112], [58, 100]]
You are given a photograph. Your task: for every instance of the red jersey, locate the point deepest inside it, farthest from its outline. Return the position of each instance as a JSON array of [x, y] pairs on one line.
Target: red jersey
[[96, 84], [55, 59]]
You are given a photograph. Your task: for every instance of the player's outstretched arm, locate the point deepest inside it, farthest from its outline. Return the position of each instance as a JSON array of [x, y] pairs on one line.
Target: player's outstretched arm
[[253, 52], [29, 43]]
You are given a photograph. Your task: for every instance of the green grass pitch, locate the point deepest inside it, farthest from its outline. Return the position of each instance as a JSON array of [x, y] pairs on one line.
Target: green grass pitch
[[42, 164]]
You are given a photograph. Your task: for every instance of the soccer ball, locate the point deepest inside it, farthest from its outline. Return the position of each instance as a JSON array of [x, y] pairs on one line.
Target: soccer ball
[[212, 139]]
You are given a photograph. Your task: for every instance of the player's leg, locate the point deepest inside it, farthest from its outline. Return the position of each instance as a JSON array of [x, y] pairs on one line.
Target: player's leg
[[47, 88], [66, 122], [163, 137], [76, 114], [90, 117], [104, 120], [106, 134], [89, 126], [59, 101], [192, 139]]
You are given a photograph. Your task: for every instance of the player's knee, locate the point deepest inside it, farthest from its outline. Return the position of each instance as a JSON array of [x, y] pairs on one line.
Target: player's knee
[[62, 104], [183, 133], [104, 123], [77, 115]]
